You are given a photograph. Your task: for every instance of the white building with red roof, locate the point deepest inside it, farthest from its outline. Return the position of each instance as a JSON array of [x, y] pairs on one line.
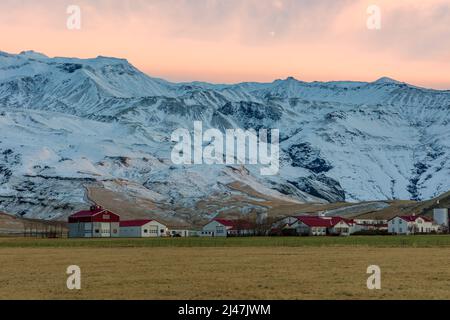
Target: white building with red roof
[[146, 228], [321, 226], [314, 226], [96, 222], [225, 228], [411, 225]]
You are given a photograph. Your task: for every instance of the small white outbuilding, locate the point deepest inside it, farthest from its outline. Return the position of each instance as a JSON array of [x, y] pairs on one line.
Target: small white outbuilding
[[142, 229], [225, 228]]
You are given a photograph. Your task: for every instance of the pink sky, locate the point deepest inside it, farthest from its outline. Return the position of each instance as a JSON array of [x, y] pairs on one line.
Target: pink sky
[[244, 40]]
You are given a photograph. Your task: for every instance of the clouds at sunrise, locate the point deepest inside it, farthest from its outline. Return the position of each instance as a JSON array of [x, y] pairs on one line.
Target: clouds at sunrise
[[244, 40]]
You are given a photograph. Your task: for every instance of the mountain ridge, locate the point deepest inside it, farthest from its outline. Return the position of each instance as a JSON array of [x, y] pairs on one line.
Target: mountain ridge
[[69, 123], [381, 80]]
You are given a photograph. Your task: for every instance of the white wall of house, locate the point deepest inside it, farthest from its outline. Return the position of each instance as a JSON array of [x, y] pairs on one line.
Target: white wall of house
[[303, 229], [214, 229], [370, 221], [152, 229], [106, 229], [341, 228], [399, 226], [319, 231], [423, 226], [181, 232]]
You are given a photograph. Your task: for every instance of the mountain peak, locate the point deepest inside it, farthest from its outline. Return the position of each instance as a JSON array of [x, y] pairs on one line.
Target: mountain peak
[[33, 54], [386, 80], [112, 59], [288, 80]]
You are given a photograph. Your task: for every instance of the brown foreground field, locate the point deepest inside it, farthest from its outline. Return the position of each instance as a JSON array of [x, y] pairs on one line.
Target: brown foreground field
[[337, 272]]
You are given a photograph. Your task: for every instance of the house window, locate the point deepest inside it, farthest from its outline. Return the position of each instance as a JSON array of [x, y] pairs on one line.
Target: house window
[[220, 229], [400, 230], [145, 231], [97, 230], [106, 217]]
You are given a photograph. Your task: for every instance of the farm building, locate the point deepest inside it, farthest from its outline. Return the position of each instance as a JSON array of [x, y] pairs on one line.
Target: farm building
[[312, 226], [225, 228], [142, 229], [320, 226], [411, 225], [315, 226], [96, 222]]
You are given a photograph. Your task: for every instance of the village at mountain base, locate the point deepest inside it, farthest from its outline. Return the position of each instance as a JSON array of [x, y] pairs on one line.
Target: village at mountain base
[[98, 222]]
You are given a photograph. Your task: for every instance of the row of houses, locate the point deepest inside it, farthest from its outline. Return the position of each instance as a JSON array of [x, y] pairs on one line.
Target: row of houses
[[402, 225], [99, 223], [314, 226], [308, 225]]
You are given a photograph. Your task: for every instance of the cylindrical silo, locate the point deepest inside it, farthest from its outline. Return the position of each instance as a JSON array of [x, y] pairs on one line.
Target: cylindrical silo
[[440, 216]]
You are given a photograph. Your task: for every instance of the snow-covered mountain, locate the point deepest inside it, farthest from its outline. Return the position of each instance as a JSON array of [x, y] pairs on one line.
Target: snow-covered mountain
[[68, 124]]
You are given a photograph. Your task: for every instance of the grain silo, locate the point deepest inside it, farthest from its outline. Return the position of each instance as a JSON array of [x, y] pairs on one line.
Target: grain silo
[[440, 216]]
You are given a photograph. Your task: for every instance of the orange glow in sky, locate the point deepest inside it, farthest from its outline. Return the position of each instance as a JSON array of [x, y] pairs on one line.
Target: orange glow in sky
[[244, 40]]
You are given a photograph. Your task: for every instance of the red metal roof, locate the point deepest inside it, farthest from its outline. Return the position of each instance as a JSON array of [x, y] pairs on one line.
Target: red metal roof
[[134, 223], [225, 222], [96, 213], [413, 218], [326, 222]]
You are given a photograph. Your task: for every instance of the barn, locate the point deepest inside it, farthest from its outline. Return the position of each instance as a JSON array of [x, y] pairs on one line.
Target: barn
[[96, 222], [142, 229]]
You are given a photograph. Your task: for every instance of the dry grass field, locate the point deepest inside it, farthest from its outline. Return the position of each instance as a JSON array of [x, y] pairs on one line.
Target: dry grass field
[[236, 272]]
